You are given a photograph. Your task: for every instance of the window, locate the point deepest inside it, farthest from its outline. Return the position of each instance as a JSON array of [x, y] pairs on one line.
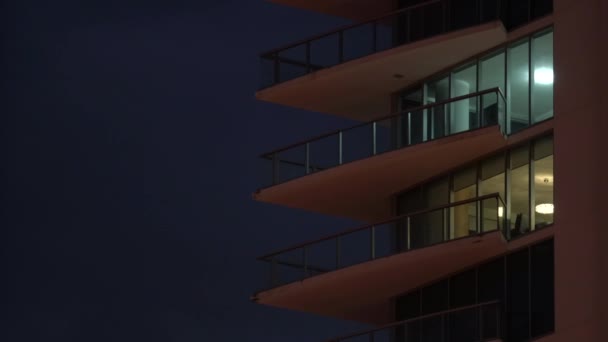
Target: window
[[518, 86], [492, 181], [463, 113], [519, 189], [543, 182], [542, 77]]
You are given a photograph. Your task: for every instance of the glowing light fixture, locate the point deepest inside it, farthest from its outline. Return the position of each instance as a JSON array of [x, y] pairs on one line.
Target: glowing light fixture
[[543, 76], [544, 208], [501, 211]]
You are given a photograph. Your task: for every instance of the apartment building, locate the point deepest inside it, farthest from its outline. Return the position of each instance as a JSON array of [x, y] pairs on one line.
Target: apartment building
[[477, 170]]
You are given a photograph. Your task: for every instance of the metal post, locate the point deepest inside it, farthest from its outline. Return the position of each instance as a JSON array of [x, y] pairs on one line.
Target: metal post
[[372, 232], [308, 65], [277, 69], [407, 228], [274, 277], [275, 168], [375, 37], [340, 148], [340, 47], [374, 138], [307, 158], [305, 261], [337, 252]]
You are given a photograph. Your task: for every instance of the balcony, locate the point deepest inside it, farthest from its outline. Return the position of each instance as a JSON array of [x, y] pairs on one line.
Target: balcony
[[335, 275], [353, 172], [331, 72], [480, 322]]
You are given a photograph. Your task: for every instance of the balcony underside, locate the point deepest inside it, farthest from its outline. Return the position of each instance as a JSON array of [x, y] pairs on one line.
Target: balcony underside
[[363, 189], [352, 9], [360, 89], [352, 293]]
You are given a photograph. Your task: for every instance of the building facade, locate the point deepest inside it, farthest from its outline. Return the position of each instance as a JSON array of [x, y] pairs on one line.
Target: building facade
[[477, 169]]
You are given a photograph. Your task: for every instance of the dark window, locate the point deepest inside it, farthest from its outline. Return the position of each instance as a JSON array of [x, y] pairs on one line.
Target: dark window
[[408, 306], [435, 297], [464, 13], [541, 8], [542, 280], [490, 281], [518, 13], [463, 289], [518, 302]]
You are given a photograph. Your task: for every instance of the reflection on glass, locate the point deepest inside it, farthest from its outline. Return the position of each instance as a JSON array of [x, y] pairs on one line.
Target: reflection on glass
[[520, 189], [543, 182], [518, 85], [463, 114], [492, 181], [491, 75], [542, 77], [437, 91], [464, 217]]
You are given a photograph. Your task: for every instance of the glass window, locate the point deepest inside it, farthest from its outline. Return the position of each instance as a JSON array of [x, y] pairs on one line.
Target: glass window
[[434, 297], [463, 113], [464, 217], [518, 86], [492, 181], [491, 75], [463, 289], [437, 91], [543, 182], [411, 123], [542, 77], [542, 290], [541, 8], [519, 189], [518, 12], [518, 298]]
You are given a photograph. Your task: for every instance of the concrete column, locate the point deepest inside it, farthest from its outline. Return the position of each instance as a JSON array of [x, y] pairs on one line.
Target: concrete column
[[581, 169]]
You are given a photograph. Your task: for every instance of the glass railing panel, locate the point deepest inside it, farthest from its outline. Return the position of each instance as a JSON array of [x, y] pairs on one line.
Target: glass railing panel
[[463, 115], [292, 63], [322, 257], [479, 322], [325, 51], [358, 41], [411, 127], [400, 234], [324, 153], [355, 248], [289, 164], [382, 135], [267, 68], [357, 143], [385, 34]]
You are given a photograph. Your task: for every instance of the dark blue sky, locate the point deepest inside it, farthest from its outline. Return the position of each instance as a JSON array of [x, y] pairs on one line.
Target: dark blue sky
[[130, 137]]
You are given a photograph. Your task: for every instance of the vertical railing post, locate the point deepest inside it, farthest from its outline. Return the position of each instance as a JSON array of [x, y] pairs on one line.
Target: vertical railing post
[[274, 277], [308, 64], [305, 261], [277, 69], [340, 47], [481, 323], [275, 168], [340, 148], [338, 252], [375, 36], [307, 158], [408, 233], [372, 239], [374, 138], [408, 34]]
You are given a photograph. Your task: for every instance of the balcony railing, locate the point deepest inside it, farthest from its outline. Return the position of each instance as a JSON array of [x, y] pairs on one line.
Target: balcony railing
[[361, 39], [399, 234], [480, 322], [410, 127]]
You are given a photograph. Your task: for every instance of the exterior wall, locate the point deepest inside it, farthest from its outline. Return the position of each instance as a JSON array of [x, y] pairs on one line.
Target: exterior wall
[[581, 123]]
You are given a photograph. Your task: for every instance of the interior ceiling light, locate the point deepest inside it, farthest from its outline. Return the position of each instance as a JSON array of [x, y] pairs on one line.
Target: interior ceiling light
[[544, 208], [501, 211], [543, 76]]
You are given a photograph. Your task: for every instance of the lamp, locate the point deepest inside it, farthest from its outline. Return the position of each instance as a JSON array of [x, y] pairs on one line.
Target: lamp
[[545, 208]]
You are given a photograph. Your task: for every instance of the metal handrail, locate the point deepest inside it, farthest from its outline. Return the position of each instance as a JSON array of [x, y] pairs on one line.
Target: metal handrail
[[368, 226], [346, 27], [268, 155], [419, 318]]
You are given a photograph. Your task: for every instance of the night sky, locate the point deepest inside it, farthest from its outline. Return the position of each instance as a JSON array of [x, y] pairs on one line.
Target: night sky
[[130, 137]]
